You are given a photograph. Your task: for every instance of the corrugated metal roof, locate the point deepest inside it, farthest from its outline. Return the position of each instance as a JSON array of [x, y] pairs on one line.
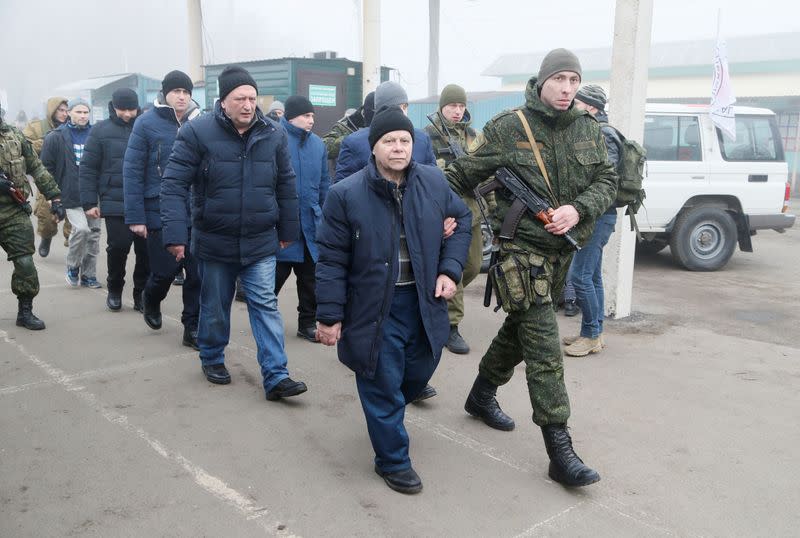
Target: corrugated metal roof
[[93, 83], [745, 49]]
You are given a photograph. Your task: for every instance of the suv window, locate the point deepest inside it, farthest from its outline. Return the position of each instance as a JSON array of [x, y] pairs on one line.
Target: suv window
[[757, 139], [672, 138]]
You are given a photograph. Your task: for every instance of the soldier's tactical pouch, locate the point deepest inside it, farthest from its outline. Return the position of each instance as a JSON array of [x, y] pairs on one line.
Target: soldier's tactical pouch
[[521, 279]]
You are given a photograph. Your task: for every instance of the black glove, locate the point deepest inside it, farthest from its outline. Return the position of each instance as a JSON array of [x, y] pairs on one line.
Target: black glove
[[58, 210], [5, 184]]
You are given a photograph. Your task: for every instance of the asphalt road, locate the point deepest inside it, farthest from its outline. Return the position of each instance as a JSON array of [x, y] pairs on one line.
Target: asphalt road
[[690, 416]]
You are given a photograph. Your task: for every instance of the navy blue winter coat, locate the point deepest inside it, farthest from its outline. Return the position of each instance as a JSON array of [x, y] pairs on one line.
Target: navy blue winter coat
[[355, 152], [101, 165], [146, 159], [244, 197], [359, 240], [310, 164], [58, 156]]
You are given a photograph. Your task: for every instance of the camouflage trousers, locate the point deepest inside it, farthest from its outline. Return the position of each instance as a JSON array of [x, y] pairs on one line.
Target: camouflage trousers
[[46, 226], [16, 238], [531, 335]]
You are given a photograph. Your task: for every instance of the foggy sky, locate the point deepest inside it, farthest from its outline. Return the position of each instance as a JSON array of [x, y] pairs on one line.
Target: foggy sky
[[48, 43]]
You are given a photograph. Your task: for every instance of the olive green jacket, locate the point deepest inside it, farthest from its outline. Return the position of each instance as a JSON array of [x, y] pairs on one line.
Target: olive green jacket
[[17, 158], [575, 158]]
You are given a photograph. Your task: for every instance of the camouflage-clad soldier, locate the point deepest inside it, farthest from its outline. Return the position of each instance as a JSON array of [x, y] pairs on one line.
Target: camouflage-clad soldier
[[349, 124], [453, 120], [17, 158], [35, 132], [583, 185]]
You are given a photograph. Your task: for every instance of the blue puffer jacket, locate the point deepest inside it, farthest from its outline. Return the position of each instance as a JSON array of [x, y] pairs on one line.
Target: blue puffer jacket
[[310, 165], [244, 197], [101, 165], [355, 152], [359, 240], [146, 159]]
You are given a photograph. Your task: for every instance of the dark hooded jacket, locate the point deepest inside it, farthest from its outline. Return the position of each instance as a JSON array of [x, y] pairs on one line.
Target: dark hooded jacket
[[359, 240]]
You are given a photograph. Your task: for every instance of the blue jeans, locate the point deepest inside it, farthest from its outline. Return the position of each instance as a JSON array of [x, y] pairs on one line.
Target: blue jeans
[[214, 329], [587, 277], [405, 365]]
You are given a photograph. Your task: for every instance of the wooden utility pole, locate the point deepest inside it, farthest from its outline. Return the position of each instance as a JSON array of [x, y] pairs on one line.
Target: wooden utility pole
[[630, 59]]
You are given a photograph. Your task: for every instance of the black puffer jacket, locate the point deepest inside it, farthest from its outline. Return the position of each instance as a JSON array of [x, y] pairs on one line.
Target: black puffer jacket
[[101, 165]]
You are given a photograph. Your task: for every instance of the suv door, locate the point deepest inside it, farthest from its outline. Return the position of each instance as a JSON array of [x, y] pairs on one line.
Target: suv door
[[752, 166], [676, 169]]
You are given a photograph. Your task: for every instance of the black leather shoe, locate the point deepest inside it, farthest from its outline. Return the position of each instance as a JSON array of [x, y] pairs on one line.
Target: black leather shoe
[[565, 466], [456, 343], [286, 388], [309, 333], [190, 338], [114, 301], [152, 313], [405, 481], [178, 280], [44, 247], [427, 392], [137, 301], [481, 403], [217, 374]]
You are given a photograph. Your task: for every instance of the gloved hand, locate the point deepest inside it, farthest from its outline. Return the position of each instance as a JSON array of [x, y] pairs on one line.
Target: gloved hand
[[57, 209]]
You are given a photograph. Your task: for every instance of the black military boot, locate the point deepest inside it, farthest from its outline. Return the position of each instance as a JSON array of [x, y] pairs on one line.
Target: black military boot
[[481, 403], [44, 247], [456, 343], [565, 466], [26, 317]]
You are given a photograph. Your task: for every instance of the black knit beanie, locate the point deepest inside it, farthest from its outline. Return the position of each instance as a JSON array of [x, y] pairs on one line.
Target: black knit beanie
[[558, 60], [231, 78], [386, 120], [174, 80], [125, 99], [369, 108], [296, 105]]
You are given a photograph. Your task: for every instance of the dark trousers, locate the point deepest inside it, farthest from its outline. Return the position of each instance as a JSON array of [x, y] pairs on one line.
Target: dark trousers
[[119, 239], [306, 282], [163, 269], [405, 365]]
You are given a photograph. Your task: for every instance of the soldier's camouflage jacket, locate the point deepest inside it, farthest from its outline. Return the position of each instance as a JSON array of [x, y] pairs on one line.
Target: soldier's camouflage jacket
[[36, 130], [345, 126], [465, 135], [575, 158], [17, 158]]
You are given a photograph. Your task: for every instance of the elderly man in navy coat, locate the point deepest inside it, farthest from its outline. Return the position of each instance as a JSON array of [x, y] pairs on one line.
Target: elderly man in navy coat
[[244, 209], [384, 276]]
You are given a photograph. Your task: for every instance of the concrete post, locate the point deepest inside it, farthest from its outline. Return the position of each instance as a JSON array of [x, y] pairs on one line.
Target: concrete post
[[371, 68], [433, 47], [630, 59], [195, 21]]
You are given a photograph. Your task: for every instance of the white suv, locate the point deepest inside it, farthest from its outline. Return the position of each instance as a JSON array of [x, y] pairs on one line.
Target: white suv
[[706, 192]]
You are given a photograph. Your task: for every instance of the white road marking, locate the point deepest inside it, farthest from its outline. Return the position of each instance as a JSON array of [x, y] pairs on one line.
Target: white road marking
[[532, 530], [205, 480]]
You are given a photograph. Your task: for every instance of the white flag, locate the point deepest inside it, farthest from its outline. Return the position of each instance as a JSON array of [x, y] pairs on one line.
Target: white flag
[[722, 98]]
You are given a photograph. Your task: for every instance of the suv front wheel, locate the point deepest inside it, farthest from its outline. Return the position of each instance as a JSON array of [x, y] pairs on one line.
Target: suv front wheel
[[703, 239]]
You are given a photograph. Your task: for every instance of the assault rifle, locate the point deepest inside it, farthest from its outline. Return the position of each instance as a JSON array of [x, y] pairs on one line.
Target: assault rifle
[[7, 186], [538, 206]]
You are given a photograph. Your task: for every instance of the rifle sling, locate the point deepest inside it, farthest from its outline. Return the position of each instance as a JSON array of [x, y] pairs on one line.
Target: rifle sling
[[538, 155]]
